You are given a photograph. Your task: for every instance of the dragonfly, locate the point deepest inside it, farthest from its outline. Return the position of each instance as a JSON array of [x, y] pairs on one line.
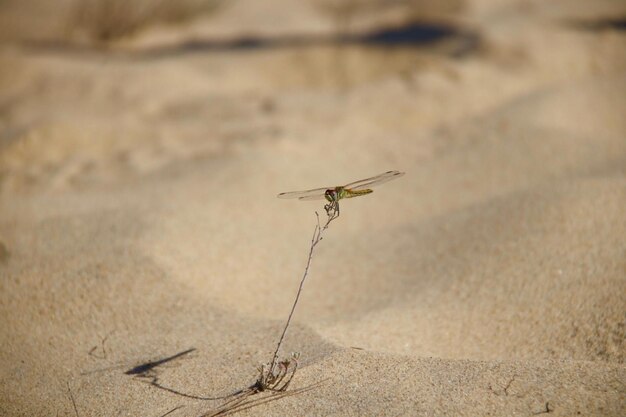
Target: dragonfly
[[334, 194]]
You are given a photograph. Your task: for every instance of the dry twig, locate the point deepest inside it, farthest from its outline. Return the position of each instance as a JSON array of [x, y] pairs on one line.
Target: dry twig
[[275, 376]]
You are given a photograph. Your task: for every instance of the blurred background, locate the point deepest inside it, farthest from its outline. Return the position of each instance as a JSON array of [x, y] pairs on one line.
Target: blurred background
[[97, 91], [143, 143]]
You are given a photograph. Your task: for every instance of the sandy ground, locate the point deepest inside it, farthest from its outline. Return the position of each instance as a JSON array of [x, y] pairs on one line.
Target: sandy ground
[[138, 217]]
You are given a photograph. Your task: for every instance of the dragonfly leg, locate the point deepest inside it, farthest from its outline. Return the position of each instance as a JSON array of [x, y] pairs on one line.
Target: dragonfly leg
[[332, 209]]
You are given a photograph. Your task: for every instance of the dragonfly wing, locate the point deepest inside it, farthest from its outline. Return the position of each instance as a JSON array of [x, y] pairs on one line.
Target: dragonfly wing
[[313, 197], [374, 181], [314, 194]]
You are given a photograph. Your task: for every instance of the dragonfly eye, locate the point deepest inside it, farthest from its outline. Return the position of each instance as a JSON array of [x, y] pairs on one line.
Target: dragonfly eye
[[330, 195]]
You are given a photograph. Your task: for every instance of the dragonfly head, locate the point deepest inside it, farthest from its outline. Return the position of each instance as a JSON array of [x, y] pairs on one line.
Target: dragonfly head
[[331, 195]]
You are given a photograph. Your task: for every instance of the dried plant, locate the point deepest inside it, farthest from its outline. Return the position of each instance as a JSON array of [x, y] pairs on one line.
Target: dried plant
[[104, 21], [426, 9], [275, 376], [332, 211], [244, 400], [344, 13]]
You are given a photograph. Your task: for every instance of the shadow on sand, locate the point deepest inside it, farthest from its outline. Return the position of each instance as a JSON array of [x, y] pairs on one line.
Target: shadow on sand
[[412, 35]]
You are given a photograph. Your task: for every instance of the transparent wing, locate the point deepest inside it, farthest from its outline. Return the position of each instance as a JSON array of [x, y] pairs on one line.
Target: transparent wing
[[314, 194], [374, 181], [313, 197]]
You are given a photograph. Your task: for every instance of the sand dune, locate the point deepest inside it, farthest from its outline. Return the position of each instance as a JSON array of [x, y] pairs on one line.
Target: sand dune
[[138, 217]]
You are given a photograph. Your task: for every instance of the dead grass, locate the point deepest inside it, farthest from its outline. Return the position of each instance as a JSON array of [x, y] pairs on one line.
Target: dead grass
[[344, 13], [104, 21]]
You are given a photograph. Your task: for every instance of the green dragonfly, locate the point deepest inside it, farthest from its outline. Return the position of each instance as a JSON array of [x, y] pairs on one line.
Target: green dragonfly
[[334, 194]]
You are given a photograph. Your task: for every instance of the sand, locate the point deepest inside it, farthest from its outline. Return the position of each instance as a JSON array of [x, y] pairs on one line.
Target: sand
[[139, 218]]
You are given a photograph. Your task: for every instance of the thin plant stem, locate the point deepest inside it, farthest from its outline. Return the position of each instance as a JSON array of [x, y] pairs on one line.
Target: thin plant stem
[[332, 210], [69, 389]]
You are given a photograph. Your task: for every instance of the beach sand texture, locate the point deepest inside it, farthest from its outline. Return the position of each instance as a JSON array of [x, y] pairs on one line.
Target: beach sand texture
[[139, 218]]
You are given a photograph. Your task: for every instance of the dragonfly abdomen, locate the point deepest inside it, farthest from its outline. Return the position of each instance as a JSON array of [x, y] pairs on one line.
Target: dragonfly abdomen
[[355, 193]]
